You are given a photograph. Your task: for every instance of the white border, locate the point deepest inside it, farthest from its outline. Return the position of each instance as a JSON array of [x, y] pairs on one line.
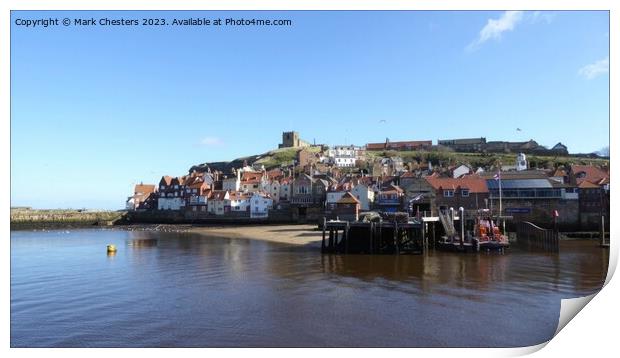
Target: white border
[[589, 333]]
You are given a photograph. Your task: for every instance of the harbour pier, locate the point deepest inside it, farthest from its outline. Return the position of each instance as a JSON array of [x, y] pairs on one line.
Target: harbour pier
[[375, 237]]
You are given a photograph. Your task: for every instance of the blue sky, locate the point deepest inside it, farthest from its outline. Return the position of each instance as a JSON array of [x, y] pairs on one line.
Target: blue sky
[[96, 109]]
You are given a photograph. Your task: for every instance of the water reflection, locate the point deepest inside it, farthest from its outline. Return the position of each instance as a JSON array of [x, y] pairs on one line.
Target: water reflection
[[180, 289]]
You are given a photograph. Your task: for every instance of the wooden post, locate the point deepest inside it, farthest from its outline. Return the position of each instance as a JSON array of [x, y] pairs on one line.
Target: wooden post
[[424, 243], [346, 239], [396, 238], [434, 239], [380, 234], [331, 240], [371, 232], [602, 230], [336, 240], [323, 240], [461, 217]]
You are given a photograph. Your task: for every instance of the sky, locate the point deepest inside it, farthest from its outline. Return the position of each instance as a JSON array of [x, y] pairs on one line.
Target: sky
[[97, 109]]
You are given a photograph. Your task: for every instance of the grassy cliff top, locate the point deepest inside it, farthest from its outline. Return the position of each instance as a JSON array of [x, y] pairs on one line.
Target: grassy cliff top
[[484, 159], [285, 156], [281, 156]]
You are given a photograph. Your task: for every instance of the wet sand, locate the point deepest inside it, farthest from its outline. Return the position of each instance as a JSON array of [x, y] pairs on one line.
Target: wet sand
[[284, 234]]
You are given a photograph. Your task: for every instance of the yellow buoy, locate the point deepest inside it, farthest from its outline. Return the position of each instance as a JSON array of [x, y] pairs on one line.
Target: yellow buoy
[[111, 248]]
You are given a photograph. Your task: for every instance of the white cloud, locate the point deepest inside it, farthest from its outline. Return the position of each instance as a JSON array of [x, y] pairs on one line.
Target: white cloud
[[495, 27], [542, 16], [595, 69], [211, 141]]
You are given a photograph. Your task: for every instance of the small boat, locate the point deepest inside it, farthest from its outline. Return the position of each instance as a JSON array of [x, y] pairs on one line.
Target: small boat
[[487, 234]]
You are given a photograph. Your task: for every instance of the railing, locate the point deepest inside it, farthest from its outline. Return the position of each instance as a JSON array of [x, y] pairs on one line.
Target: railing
[[530, 236]]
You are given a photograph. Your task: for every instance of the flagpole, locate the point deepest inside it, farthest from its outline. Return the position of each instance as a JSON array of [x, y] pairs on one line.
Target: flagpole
[[500, 192]]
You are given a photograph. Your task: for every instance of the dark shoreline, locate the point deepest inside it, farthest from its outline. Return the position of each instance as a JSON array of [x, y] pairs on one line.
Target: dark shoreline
[[54, 225]]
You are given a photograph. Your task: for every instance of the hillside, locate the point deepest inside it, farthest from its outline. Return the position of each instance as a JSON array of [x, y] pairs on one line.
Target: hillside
[[271, 159], [285, 156]]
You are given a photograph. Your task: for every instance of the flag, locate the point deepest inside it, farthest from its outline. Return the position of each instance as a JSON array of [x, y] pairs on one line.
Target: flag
[[497, 176]]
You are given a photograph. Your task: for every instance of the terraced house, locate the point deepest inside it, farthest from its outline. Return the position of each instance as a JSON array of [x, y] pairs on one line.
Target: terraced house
[[171, 193]]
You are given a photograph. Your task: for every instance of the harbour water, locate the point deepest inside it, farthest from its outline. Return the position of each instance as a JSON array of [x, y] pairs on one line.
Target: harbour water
[[166, 289]]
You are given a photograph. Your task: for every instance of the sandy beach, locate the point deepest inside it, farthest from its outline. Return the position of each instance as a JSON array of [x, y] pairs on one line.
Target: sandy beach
[[285, 234]]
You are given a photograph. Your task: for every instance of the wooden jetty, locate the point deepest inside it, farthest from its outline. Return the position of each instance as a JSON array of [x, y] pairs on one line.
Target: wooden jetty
[[380, 237]]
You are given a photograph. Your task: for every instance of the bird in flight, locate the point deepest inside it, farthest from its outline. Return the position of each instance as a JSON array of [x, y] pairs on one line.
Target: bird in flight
[[382, 121], [518, 129]]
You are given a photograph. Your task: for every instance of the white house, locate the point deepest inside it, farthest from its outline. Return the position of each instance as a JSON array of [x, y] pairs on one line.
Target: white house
[[272, 187], [260, 205], [130, 204], [239, 202], [364, 194], [233, 183], [344, 161], [219, 203], [344, 150], [344, 155]]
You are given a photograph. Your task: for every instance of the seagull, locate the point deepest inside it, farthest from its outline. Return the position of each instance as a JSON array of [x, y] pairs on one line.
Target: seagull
[[382, 121], [518, 129]]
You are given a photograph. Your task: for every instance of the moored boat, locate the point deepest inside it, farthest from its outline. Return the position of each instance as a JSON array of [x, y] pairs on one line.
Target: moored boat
[[487, 234]]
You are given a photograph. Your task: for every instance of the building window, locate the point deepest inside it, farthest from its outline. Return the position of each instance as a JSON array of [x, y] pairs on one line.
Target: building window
[[464, 193], [448, 193]]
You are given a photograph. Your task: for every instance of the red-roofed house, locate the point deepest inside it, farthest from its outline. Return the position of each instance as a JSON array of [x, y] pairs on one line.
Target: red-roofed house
[[171, 193], [143, 197], [252, 181], [197, 189], [579, 173], [219, 202], [390, 198], [468, 192]]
